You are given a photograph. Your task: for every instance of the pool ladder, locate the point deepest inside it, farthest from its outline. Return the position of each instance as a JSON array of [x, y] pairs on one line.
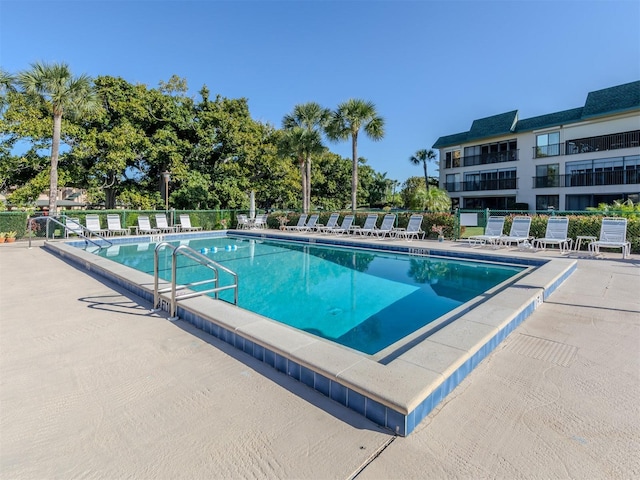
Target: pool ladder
[[190, 253]]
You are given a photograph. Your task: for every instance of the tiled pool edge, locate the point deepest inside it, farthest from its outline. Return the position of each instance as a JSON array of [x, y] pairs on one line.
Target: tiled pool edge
[[399, 417]]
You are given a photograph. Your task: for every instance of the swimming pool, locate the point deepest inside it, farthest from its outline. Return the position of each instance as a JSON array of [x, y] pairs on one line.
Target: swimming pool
[[395, 388], [360, 298]]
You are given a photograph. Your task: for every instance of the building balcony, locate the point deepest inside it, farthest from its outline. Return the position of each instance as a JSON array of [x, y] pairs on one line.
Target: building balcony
[[600, 143], [492, 157], [482, 185], [587, 179]]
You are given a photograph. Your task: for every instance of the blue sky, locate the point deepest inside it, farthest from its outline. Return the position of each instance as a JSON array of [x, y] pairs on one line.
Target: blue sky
[[431, 67]]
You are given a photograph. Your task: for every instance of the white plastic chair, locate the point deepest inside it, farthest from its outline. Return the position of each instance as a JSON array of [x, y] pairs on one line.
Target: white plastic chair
[[387, 226], [556, 234], [492, 232], [301, 223], [369, 226], [92, 222], [144, 225], [185, 224], [519, 233], [163, 225], [113, 225], [344, 227], [613, 234], [331, 224], [73, 226], [414, 228]]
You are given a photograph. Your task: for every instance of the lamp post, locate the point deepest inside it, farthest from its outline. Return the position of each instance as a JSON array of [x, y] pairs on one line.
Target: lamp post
[[166, 176]]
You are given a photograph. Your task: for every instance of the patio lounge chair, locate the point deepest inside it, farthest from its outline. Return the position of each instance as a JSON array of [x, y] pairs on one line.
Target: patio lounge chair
[[113, 225], [311, 224], [301, 222], [92, 222], [73, 227], [519, 233], [144, 225], [492, 232], [345, 226], [613, 234], [331, 224], [185, 224], [162, 225], [413, 228], [556, 234], [369, 226], [387, 227]]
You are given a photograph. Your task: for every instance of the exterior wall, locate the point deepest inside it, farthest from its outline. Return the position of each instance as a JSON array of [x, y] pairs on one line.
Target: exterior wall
[[527, 161]]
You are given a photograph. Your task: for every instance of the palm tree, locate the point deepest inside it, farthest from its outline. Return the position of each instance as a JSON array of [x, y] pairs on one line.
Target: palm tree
[[303, 143], [423, 156], [346, 122], [64, 95], [312, 118]]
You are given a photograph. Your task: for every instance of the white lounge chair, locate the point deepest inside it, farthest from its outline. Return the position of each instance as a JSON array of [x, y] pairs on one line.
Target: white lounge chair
[[73, 227], [331, 224], [113, 225], [311, 223], [556, 234], [185, 224], [369, 226], [301, 222], [163, 225], [387, 227], [519, 232], [144, 225], [92, 223], [492, 232], [414, 228], [613, 234], [345, 226]]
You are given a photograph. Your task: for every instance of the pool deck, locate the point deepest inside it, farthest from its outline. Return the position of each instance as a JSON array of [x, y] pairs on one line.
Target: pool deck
[[92, 385]]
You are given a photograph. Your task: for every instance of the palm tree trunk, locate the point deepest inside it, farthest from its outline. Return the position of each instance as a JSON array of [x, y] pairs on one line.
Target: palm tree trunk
[[426, 177], [53, 177], [308, 183], [354, 175], [303, 177]]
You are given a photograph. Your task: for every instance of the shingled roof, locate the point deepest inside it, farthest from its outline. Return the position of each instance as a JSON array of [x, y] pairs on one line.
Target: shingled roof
[[608, 101]]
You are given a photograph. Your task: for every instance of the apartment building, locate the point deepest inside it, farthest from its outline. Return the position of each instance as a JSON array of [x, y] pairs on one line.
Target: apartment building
[[567, 160]]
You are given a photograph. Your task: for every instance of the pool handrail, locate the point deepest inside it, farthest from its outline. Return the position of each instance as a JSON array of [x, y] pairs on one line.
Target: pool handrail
[[197, 257], [78, 230]]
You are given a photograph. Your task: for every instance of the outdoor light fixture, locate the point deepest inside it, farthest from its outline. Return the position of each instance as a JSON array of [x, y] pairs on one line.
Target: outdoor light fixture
[[166, 176]]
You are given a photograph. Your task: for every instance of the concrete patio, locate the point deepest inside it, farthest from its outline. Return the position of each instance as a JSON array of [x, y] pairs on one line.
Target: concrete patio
[[93, 385]]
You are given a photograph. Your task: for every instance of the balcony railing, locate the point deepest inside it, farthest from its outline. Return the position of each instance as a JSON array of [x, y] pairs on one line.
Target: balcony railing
[[488, 158], [618, 177], [604, 142], [479, 185], [614, 141]]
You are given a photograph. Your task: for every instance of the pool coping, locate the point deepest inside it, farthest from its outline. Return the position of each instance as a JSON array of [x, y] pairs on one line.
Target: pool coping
[[398, 394]]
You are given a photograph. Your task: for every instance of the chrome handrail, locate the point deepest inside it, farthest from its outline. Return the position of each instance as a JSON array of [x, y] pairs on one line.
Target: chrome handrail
[[174, 287], [87, 239]]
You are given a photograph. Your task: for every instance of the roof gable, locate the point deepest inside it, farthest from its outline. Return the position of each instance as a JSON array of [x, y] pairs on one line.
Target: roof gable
[[614, 99]]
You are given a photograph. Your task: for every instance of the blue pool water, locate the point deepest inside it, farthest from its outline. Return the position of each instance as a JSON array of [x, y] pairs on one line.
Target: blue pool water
[[363, 299]]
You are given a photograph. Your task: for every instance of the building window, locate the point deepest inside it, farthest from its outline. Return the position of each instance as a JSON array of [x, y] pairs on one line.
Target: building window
[[548, 145], [604, 171], [547, 202], [547, 175], [452, 159]]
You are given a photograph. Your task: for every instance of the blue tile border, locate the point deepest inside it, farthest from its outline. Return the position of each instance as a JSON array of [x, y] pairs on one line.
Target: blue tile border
[[397, 422]]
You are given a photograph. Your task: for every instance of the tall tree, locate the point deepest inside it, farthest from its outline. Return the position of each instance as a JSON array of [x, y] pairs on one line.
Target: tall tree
[[346, 121], [312, 119], [423, 157], [64, 94]]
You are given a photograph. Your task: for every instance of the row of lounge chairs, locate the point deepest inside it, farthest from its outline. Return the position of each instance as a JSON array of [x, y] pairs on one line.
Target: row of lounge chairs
[[114, 227], [613, 232], [387, 228]]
